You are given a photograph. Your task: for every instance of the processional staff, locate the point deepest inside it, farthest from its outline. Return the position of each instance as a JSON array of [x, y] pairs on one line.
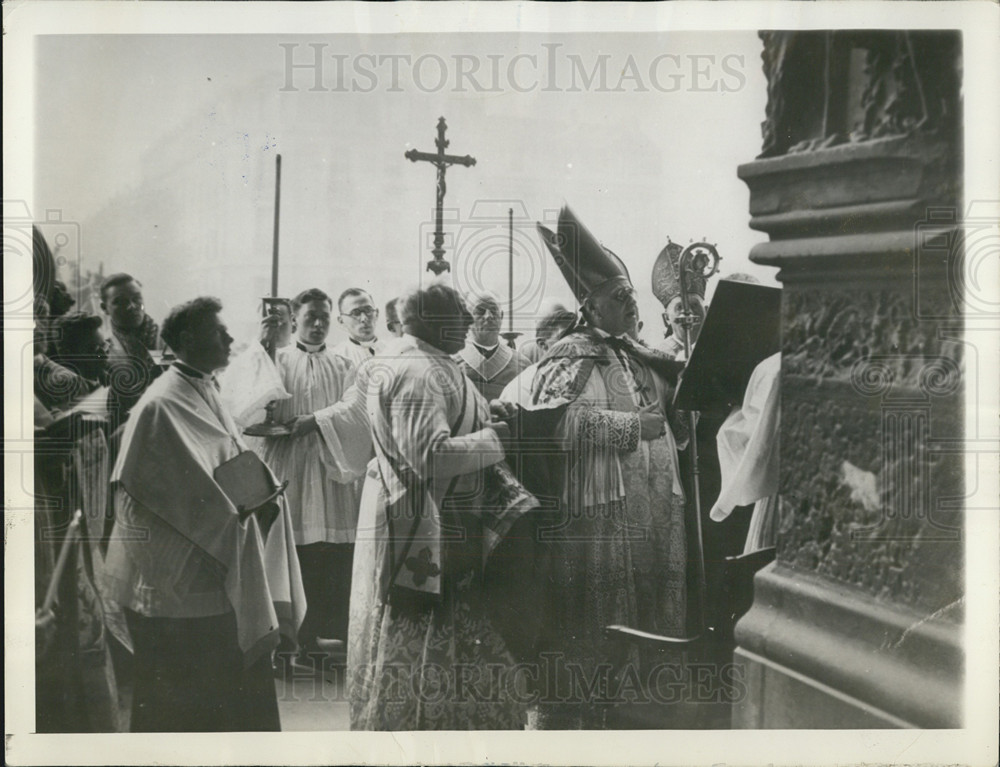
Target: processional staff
[[277, 220], [272, 306], [692, 267], [510, 335], [441, 161], [698, 261]]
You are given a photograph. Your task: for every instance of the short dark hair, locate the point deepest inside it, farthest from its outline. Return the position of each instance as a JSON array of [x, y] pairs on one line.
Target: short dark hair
[[114, 280], [187, 317], [351, 292], [435, 302], [308, 296], [74, 325]]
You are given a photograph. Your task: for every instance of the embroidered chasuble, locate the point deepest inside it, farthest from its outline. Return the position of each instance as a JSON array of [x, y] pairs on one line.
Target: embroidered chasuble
[[622, 555], [491, 374], [436, 503]]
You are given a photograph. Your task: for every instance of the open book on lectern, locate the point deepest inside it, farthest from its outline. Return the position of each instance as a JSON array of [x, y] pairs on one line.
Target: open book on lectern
[[742, 328]]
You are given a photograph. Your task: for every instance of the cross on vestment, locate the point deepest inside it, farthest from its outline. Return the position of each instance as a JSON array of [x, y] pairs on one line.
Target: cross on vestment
[[422, 566], [441, 161]]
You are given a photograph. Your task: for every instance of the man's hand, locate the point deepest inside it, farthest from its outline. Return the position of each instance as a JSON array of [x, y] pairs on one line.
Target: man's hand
[[502, 411], [502, 430], [651, 423], [302, 425], [270, 328]]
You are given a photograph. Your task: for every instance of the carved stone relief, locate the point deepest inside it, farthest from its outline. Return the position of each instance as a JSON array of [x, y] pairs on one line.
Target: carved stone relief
[[826, 88]]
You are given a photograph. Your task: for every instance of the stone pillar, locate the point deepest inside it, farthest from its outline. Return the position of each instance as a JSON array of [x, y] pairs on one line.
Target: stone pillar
[[858, 621]]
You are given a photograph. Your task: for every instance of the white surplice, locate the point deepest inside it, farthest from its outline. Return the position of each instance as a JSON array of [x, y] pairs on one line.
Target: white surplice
[[358, 352], [179, 549], [323, 500], [748, 455]]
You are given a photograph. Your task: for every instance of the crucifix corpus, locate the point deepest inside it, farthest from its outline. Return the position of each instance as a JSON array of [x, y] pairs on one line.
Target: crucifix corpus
[[441, 161]]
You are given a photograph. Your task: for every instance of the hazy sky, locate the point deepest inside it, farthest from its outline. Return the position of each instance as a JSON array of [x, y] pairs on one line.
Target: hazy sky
[[162, 148]]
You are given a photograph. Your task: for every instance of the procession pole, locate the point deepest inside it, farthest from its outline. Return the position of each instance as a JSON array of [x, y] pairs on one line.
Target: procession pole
[[269, 427], [510, 276], [686, 270], [277, 218], [510, 335]]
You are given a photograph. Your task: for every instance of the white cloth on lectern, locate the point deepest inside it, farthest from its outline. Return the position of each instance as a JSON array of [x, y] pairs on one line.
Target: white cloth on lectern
[[748, 443]]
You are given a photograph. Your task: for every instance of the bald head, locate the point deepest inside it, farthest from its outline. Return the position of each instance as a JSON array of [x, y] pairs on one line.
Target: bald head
[[487, 317]]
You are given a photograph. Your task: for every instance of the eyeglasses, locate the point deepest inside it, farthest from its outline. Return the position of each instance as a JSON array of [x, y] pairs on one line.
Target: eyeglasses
[[368, 312]]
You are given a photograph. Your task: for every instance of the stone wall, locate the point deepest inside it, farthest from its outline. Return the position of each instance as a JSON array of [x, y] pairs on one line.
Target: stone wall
[[859, 187]]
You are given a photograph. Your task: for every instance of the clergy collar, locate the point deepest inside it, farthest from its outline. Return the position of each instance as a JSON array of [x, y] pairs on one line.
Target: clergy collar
[[486, 351], [365, 344], [309, 348]]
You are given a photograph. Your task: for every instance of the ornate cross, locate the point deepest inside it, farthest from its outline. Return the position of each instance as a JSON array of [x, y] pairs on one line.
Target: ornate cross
[[422, 566], [441, 161]]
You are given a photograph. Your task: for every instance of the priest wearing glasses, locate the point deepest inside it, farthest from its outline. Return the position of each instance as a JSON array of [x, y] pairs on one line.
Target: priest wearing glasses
[[358, 315]]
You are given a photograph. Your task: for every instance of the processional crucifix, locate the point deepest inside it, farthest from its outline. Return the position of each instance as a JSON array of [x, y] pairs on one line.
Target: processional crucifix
[[441, 161]]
